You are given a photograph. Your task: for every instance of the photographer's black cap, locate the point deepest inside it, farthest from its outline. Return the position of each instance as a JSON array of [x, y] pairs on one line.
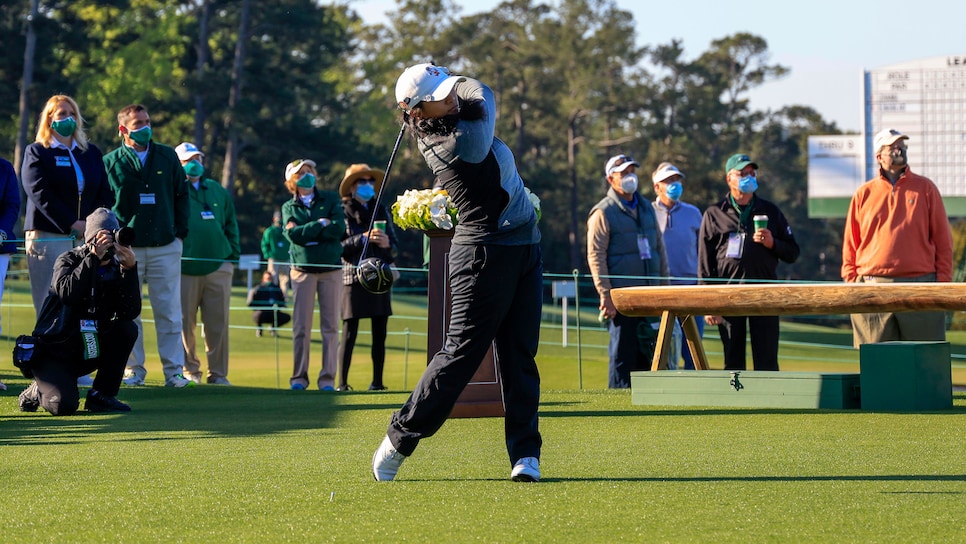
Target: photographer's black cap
[[101, 218]]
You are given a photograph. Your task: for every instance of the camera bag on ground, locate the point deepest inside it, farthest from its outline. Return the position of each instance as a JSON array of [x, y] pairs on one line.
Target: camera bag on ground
[[23, 352]]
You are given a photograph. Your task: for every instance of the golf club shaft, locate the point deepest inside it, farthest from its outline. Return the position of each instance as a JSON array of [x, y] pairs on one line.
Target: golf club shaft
[[385, 183]]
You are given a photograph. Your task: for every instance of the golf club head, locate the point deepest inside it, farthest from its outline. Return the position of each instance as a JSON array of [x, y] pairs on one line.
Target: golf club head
[[374, 275]]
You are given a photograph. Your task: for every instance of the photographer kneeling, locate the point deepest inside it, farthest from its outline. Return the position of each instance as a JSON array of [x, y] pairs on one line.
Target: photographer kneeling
[[86, 323]]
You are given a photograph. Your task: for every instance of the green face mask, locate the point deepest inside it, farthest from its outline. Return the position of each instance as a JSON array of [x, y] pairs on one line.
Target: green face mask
[[141, 136], [194, 169], [306, 182], [64, 127]]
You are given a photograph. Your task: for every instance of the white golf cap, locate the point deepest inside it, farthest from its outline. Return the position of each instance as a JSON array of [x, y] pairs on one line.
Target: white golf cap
[[424, 83], [886, 137], [295, 165], [619, 163], [186, 150], [664, 171]]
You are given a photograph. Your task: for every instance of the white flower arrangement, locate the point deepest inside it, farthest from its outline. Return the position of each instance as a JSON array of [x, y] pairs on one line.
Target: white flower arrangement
[[433, 209], [424, 209], [535, 200]]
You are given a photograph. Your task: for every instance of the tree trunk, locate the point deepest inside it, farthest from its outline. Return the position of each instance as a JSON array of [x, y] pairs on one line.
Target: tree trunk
[[26, 82], [232, 149], [204, 53]]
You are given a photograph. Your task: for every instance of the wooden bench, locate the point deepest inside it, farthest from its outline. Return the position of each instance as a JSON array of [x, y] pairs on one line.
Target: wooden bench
[[686, 301]]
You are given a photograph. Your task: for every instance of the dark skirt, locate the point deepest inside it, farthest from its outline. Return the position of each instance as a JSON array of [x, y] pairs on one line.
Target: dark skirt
[[358, 303]]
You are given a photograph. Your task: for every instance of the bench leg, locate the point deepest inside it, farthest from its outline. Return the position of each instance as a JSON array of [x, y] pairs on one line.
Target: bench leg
[[698, 355], [664, 339]]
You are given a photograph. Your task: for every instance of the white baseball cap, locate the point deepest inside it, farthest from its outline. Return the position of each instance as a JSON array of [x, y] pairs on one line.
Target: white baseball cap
[[424, 83], [887, 137], [619, 163], [664, 171], [186, 150], [295, 165]]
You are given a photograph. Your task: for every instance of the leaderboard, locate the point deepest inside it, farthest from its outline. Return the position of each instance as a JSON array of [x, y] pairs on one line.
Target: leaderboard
[[925, 99]]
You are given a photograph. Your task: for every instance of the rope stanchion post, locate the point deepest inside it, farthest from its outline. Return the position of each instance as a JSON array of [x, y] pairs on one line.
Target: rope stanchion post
[[278, 368], [580, 362], [406, 361]]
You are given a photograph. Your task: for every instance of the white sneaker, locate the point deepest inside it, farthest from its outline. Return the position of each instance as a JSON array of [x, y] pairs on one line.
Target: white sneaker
[[526, 469], [219, 381], [194, 377], [178, 380], [85, 381], [132, 380], [386, 461]]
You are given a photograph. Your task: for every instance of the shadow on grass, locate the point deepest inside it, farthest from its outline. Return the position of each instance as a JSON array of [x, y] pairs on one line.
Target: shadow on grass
[[711, 479], [160, 413], [559, 409], [829, 478]]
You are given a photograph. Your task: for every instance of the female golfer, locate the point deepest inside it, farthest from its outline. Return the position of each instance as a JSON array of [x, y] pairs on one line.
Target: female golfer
[[495, 269]]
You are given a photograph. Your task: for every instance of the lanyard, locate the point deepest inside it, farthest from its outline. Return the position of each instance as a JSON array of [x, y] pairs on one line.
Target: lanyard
[[743, 215]]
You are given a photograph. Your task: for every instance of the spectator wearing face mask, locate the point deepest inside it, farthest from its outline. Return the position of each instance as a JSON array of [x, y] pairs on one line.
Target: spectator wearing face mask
[[358, 190], [314, 224], [897, 230], [64, 180], [625, 248], [680, 225], [732, 249], [151, 193], [210, 252]]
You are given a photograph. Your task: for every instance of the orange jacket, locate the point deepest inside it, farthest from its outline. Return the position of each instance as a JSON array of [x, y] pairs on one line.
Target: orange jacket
[[897, 231]]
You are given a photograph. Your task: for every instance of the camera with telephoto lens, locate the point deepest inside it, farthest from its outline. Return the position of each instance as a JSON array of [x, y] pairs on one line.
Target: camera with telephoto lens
[[123, 236]]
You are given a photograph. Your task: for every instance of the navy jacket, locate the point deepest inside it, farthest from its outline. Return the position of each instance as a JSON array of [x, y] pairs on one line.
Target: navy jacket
[[50, 183], [9, 205]]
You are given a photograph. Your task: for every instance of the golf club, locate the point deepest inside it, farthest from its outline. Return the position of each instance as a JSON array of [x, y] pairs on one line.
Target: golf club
[[373, 273]]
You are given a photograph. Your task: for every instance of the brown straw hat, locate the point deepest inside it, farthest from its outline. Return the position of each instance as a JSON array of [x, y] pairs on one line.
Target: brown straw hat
[[357, 171]]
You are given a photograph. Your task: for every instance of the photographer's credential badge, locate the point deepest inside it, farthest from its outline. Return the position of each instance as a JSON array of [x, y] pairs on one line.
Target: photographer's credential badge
[[92, 348]]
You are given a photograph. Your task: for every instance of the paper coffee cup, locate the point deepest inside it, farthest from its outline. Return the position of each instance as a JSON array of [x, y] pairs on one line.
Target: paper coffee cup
[[761, 222]]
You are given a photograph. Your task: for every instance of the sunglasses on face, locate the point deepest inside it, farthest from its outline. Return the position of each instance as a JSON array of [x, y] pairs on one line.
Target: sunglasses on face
[[622, 159]]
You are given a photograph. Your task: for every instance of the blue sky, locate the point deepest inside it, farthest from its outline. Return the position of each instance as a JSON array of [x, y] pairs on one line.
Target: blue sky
[[826, 44]]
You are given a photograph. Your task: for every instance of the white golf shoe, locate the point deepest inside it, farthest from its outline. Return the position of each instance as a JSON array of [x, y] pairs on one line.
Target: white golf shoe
[[386, 461], [526, 469]]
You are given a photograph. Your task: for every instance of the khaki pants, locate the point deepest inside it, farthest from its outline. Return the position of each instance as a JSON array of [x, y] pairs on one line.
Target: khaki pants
[[212, 294], [160, 267], [306, 288], [888, 327]]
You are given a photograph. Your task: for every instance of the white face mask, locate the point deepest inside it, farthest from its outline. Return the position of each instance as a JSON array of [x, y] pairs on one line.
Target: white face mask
[[629, 183]]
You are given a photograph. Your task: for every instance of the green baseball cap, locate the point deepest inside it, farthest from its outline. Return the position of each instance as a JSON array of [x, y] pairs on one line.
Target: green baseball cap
[[739, 161]]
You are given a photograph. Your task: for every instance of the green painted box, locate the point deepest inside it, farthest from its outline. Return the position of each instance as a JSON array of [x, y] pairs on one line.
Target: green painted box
[[754, 389], [906, 376]]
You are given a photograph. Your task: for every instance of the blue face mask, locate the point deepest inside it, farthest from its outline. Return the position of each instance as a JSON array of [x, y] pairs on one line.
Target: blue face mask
[[748, 184], [674, 190], [365, 191], [306, 182]]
